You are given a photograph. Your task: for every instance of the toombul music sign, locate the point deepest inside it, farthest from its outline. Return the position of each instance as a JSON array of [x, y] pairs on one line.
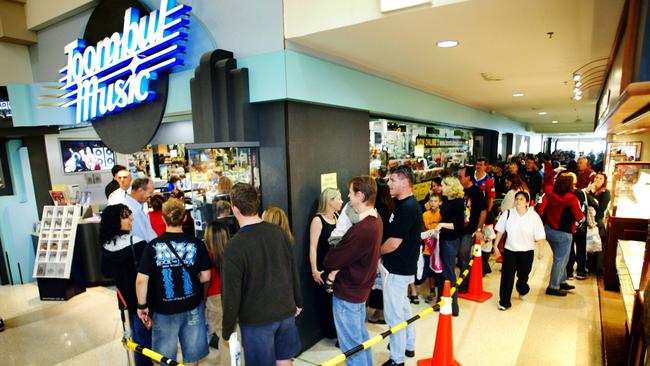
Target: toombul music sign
[[115, 73]]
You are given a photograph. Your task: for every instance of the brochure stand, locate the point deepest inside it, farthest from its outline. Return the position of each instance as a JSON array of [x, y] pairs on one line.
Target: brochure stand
[[57, 268]]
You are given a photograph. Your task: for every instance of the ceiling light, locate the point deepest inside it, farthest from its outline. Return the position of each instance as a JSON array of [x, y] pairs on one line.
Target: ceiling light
[[554, 122], [576, 77], [541, 113], [579, 92], [577, 97], [447, 44], [578, 84], [576, 89], [518, 95]]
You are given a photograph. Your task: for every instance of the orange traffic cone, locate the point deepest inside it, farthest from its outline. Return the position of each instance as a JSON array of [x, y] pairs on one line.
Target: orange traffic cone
[[475, 291], [443, 351]]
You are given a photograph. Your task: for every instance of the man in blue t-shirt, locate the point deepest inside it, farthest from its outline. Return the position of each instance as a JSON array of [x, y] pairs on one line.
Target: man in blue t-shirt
[[399, 261]]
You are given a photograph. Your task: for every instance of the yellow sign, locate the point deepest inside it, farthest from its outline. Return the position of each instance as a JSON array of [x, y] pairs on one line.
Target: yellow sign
[[421, 190], [328, 181]]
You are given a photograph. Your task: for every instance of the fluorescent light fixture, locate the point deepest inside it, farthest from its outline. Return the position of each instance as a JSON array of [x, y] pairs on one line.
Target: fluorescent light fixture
[[554, 122], [541, 113], [447, 44], [576, 77], [518, 95]]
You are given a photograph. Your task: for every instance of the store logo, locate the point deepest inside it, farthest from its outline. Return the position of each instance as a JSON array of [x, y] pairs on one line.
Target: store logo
[[5, 106], [116, 72]]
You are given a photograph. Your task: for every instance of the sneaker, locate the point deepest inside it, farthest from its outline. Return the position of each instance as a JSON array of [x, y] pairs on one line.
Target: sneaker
[[502, 308], [409, 354], [392, 363], [569, 277], [581, 276], [414, 300], [428, 299], [566, 287], [376, 321], [555, 292], [214, 341]]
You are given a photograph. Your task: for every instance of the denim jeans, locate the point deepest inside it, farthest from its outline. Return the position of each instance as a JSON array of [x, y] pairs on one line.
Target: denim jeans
[[560, 245], [350, 323], [264, 344], [141, 336], [187, 327], [397, 309], [448, 253], [464, 255]]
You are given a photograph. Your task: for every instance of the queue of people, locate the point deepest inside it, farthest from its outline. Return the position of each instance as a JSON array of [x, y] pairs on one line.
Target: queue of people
[[365, 254]]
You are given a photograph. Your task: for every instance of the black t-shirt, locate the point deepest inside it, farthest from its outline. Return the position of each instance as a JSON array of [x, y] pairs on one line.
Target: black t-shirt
[[474, 204], [452, 211], [405, 223], [177, 289]]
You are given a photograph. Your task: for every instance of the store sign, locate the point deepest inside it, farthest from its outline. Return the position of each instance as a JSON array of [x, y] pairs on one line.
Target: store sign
[[115, 73], [431, 142]]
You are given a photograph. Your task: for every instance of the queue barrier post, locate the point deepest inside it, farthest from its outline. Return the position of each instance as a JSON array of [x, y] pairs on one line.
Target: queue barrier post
[[475, 290], [443, 350]]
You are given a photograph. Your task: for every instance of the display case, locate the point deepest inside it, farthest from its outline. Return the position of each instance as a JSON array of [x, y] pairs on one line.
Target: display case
[[56, 241], [631, 190], [213, 170]]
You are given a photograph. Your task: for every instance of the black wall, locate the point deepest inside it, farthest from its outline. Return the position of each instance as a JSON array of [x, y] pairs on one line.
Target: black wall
[[40, 170], [273, 155], [319, 140]]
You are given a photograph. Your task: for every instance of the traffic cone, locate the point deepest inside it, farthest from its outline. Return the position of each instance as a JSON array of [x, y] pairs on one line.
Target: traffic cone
[[475, 291], [443, 351]]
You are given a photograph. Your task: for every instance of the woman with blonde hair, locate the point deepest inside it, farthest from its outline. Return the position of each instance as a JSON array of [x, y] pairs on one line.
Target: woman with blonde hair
[[277, 216], [450, 230], [321, 228]]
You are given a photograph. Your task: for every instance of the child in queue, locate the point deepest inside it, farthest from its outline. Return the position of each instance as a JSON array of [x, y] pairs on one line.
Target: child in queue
[[431, 251]]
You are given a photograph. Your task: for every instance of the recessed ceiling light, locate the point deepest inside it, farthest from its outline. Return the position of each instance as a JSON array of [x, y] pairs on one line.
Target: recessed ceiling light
[[541, 113], [576, 77], [554, 122], [577, 97], [518, 95], [447, 44]]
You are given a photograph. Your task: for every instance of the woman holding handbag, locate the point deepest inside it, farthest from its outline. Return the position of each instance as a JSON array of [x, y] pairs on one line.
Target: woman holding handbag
[[524, 230]]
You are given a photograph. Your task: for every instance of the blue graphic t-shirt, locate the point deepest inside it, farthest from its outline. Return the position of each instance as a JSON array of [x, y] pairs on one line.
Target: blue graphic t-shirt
[[177, 287]]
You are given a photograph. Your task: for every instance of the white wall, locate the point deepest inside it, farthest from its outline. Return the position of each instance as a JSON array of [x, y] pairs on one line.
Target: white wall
[[15, 66], [54, 160]]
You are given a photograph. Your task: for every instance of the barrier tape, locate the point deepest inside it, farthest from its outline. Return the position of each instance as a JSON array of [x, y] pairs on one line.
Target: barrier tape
[[378, 338], [149, 353]]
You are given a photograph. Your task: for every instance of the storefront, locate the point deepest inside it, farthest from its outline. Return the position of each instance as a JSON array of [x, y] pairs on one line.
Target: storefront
[[257, 117]]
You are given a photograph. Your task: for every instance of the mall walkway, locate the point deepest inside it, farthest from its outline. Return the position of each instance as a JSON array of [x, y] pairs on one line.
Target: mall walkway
[[537, 330]]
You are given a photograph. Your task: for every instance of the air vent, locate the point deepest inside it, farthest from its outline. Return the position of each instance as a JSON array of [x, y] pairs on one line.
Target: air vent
[[491, 77]]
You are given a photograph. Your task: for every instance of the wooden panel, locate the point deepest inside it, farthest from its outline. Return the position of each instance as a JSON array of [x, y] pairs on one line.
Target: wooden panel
[[635, 97], [620, 229]]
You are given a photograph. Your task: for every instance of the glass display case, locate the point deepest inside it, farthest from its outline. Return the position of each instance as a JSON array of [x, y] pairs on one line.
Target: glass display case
[[213, 170], [631, 190]]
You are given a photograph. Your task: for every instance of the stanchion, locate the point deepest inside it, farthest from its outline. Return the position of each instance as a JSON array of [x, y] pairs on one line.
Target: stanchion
[[149, 353], [475, 291], [443, 350]]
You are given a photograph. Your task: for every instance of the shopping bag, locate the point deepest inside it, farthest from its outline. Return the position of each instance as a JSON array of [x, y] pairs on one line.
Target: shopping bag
[[594, 244], [235, 350], [420, 267]]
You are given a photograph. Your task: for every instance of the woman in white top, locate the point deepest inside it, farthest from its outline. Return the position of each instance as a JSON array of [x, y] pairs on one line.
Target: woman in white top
[[514, 184], [525, 229]]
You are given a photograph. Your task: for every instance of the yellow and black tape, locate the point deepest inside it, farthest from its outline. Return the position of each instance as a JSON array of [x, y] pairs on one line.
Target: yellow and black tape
[[378, 338], [149, 353]]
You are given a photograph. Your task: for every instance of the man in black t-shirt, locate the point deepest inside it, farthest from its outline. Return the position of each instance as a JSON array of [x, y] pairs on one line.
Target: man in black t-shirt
[[179, 265], [475, 213], [399, 261]]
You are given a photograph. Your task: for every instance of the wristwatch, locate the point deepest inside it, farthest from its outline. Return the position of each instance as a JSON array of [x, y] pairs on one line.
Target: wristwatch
[[143, 306]]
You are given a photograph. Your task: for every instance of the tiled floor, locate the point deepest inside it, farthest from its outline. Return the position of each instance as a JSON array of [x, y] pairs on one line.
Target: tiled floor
[[539, 330]]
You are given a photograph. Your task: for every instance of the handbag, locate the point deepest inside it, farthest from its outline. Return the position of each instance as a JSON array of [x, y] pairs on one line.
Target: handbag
[[594, 243], [501, 245]]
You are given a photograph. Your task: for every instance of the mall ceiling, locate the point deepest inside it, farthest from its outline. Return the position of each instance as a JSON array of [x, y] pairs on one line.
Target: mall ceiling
[[506, 47]]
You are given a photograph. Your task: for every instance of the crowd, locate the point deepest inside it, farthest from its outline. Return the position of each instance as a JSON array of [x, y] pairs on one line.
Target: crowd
[[368, 253]]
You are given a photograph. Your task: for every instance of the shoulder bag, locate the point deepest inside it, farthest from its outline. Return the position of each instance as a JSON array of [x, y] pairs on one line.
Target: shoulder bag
[[501, 245]]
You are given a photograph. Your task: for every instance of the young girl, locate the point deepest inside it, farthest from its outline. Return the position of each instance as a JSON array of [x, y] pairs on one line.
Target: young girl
[[216, 238]]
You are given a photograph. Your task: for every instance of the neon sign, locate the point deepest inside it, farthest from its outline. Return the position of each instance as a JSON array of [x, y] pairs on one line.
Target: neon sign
[[116, 72]]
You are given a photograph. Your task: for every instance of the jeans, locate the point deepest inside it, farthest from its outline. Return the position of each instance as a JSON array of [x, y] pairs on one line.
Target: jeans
[[188, 328], [560, 245], [515, 262], [350, 322], [266, 343], [579, 254], [141, 336], [448, 253], [397, 309], [464, 254]]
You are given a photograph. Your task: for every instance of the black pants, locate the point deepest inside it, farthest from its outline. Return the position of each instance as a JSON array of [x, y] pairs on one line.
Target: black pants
[[519, 263], [578, 253]]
